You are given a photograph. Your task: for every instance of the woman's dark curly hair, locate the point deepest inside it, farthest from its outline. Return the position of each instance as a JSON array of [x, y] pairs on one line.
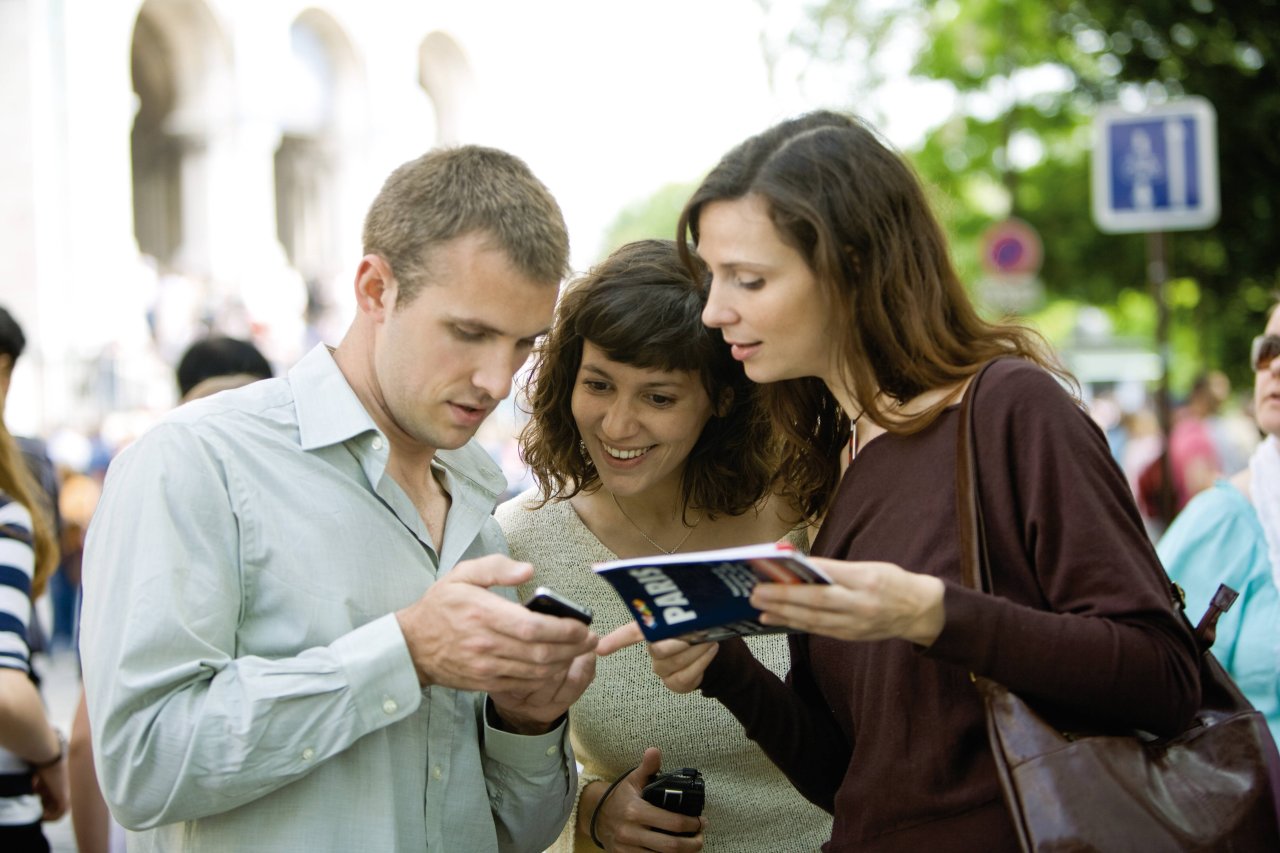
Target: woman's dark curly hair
[[643, 306]]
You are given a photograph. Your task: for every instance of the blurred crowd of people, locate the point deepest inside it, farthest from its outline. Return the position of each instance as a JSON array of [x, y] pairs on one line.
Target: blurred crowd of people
[[1212, 435]]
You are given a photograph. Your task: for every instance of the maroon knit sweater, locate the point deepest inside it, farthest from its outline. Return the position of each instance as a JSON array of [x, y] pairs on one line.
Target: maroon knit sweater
[[891, 737]]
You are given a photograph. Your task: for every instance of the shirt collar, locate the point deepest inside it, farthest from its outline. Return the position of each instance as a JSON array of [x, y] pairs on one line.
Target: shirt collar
[[329, 412]]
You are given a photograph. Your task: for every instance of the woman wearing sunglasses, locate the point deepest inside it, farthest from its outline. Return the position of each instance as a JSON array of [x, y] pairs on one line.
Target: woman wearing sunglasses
[[1230, 534]]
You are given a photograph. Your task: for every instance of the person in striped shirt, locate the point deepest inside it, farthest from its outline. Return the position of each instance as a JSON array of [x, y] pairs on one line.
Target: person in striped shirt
[[33, 779]]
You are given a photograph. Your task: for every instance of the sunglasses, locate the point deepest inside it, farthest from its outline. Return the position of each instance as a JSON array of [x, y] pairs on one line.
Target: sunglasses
[[1265, 349]]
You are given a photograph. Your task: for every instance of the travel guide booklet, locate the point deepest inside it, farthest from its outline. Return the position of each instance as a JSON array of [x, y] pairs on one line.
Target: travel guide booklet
[[703, 596]]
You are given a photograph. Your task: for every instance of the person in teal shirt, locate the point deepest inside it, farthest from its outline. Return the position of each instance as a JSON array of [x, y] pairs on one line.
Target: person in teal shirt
[[1230, 534]]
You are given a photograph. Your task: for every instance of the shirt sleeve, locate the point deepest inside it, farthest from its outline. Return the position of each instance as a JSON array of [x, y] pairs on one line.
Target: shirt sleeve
[[532, 782], [790, 721], [1082, 619], [17, 565], [183, 725]]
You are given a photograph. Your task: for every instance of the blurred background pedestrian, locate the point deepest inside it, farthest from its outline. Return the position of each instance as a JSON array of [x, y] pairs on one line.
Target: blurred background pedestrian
[[35, 455], [1230, 534], [33, 779]]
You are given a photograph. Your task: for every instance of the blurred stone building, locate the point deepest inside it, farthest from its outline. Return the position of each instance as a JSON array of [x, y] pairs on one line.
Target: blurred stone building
[[173, 166]]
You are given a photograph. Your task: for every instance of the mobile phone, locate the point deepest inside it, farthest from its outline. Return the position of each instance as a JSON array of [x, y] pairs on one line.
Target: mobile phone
[[552, 603]]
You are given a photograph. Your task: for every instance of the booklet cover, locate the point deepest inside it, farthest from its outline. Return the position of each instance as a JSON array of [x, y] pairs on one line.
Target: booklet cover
[[703, 596]]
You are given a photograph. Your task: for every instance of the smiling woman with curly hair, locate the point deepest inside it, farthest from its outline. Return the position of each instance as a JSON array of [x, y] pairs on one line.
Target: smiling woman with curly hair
[[647, 438]]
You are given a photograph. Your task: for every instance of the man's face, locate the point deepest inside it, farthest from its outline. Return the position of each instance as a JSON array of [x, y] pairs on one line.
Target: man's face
[[442, 362]]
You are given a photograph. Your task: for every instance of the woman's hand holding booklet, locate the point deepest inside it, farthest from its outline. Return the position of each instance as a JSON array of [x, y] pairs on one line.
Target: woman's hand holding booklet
[[702, 596]]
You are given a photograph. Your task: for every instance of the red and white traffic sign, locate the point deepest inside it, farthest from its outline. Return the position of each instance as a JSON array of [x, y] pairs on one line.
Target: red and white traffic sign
[[1011, 248]]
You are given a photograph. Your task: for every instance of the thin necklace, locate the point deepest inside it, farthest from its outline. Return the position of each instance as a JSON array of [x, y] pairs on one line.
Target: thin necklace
[[640, 530], [853, 435]]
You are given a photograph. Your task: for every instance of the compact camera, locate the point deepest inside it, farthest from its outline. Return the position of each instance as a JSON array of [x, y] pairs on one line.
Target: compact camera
[[683, 792]]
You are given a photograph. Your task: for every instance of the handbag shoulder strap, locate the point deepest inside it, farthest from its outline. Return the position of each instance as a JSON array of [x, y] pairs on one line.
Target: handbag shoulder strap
[[974, 569]]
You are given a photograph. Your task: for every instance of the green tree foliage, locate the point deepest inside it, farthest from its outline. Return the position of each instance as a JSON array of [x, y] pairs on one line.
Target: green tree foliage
[[1029, 75], [1228, 52], [654, 217]]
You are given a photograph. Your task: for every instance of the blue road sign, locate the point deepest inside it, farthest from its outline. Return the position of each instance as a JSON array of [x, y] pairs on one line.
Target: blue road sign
[[1156, 170]]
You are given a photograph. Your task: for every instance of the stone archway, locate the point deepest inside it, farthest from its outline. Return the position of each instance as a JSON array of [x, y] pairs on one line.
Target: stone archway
[[445, 74], [156, 155], [319, 121], [182, 83]]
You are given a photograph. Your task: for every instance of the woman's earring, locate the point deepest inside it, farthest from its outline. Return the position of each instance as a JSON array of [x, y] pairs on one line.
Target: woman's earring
[[582, 448]]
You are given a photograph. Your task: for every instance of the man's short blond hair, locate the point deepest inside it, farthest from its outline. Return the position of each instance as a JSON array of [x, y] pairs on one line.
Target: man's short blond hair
[[450, 192]]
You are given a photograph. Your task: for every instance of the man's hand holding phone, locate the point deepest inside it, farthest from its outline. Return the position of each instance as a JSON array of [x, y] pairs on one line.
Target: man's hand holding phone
[[461, 635], [551, 603]]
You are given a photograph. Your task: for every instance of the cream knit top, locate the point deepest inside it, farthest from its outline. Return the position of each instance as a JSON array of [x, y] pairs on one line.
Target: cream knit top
[[750, 805]]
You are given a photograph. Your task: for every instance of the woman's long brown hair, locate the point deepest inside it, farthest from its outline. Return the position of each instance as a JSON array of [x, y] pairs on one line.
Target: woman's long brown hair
[[858, 214]]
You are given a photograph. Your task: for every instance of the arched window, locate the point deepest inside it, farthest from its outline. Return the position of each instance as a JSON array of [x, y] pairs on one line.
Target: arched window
[[445, 75], [319, 121], [180, 78]]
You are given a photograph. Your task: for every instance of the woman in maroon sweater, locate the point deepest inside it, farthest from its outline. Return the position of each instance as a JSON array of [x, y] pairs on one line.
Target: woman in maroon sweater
[[832, 281]]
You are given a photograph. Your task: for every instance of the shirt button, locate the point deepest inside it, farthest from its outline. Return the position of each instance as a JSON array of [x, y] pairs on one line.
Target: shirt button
[[308, 754], [377, 442], [389, 707], [437, 773], [552, 750]]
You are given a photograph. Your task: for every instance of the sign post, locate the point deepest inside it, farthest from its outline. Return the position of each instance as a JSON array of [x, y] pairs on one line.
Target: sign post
[[1157, 171]]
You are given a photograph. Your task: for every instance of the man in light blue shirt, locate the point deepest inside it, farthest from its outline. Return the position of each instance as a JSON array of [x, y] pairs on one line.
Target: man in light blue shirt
[[298, 631]]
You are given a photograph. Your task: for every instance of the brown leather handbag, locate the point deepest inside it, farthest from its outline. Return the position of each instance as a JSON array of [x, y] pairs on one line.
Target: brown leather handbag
[[1214, 787]]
